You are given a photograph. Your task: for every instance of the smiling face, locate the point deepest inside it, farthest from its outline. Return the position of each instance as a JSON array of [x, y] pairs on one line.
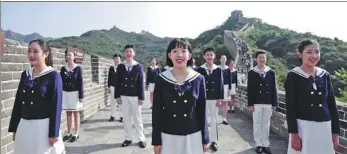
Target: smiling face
[[153, 62], [209, 57], [180, 56], [310, 55], [35, 55], [223, 59], [129, 53], [116, 60], [261, 59], [70, 57]]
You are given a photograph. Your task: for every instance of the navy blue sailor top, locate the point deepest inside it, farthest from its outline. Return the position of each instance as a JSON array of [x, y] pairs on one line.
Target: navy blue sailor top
[[214, 81], [152, 74], [130, 80], [179, 109], [262, 87], [226, 76], [233, 76], [73, 80], [309, 98], [38, 98]]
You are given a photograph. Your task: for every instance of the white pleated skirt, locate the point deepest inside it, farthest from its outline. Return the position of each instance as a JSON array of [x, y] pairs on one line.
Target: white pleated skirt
[[151, 87], [233, 89], [226, 92], [113, 100], [71, 101], [32, 138], [182, 144], [316, 138]]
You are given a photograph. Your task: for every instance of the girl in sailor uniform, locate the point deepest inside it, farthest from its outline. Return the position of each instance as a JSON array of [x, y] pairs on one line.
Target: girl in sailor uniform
[[234, 82], [152, 72], [214, 92], [226, 87], [111, 82], [262, 100], [179, 105], [36, 115], [312, 117], [72, 94]]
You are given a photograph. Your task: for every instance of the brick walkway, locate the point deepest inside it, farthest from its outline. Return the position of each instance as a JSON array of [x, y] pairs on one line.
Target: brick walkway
[[98, 136]]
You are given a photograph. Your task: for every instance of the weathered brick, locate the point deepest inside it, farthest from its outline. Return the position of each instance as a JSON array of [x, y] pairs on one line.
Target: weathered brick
[[6, 140], [19, 59], [16, 75], [8, 103], [5, 76], [10, 147], [6, 113], [343, 141], [9, 85], [5, 122], [7, 58], [26, 66], [3, 150], [6, 94], [5, 67], [4, 132], [342, 149]]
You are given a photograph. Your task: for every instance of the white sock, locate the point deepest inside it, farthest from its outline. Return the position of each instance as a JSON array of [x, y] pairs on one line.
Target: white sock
[[224, 119], [232, 108]]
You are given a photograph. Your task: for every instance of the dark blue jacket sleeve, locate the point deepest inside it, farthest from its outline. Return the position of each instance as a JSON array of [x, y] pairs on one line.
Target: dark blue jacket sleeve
[[291, 103], [274, 91], [140, 84], [17, 107], [56, 106], [229, 78], [148, 76], [221, 85], [118, 81], [109, 77], [157, 113], [335, 121], [250, 91], [80, 84], [201, 112]]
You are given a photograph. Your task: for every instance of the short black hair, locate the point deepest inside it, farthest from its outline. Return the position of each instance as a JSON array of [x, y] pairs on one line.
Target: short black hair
[[259, 52], [209, 49], [116, 55], [129, 46], [179, 43]]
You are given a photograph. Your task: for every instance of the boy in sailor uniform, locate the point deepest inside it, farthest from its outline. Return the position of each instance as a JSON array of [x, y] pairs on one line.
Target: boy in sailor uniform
[[179, 108], [36, 115], [214, 90], [130, 93], [111, 82], [234, 82], [262, 99], [72, 94], [312, 117], [226, 87], [152, 72]]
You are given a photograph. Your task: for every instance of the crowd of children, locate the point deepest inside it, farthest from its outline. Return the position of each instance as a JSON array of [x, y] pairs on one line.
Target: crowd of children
[[185, 101]]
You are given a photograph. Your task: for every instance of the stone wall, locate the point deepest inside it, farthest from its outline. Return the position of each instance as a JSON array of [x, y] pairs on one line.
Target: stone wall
[[14, 61], [279, 122]]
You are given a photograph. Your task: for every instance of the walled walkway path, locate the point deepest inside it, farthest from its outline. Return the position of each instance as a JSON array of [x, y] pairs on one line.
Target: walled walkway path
[[99, 136]]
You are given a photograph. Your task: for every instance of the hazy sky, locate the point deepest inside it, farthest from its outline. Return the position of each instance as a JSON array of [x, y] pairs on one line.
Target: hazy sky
[[174, 19]]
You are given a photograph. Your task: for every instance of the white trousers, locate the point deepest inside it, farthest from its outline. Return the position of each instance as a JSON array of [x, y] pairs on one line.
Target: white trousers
[[182, 144], [212, 115], [131, 108], [115, 107], [32, 138], [316, 138], [261, 124]]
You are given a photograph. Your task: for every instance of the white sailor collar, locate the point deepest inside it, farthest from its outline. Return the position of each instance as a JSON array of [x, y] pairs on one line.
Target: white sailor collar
[[115, 67], [214, 66], [233, 70], [29, 72], [320, 72], [223, 68], [168, 76], [133, 63], [155, 67], [67, 67], [266, 69]]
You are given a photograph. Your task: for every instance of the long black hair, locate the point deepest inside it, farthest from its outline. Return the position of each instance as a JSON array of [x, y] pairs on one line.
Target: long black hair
[[179, 43]]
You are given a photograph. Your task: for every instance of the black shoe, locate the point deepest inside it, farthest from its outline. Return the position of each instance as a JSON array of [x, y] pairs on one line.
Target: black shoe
[[214, 146], [126, 143], [74, 138], [121, 119], [142, 144], [232, 111], [266, 150], [259, 149], [111, 119], [225, 122], [229, 111], [67, 137]]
